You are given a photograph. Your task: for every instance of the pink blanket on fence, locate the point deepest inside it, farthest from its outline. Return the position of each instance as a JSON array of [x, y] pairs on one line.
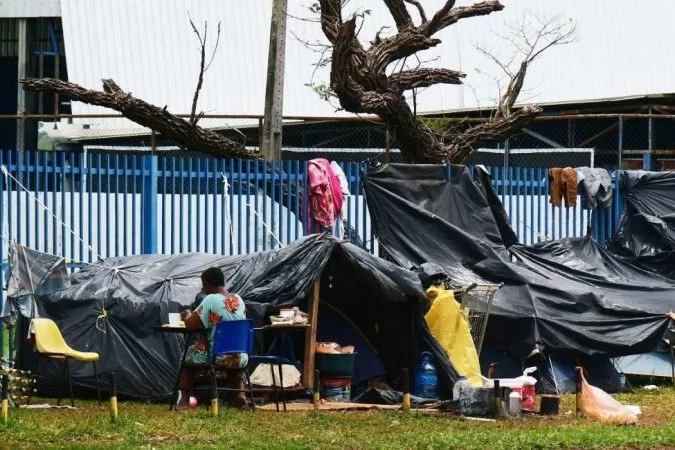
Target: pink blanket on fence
[[324, 192]]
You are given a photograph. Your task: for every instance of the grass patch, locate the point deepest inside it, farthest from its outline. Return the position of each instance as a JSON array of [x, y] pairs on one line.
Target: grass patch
[[154, 426]]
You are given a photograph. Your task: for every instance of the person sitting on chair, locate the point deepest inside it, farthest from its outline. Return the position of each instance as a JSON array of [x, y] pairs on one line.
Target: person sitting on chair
[[217, 305]]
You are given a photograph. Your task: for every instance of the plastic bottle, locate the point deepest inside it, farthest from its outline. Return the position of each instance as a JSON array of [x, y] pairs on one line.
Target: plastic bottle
[[622, 382], [457, 387], [426, 380]]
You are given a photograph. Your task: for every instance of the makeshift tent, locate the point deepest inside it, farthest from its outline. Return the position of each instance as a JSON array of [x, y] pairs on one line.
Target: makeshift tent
[[33, 273], [646, 232], [112, 306], [561, 299], [652, 364]]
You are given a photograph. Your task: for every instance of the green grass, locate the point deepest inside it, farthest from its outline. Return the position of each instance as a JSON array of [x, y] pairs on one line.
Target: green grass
[[142, 425]]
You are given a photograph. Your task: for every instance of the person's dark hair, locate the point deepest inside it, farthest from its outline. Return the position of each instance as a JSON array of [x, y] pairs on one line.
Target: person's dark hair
[[213, 276]]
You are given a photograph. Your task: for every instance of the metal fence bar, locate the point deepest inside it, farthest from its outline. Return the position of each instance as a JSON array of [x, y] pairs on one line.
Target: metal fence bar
[[240, 235], [256, 224], [4, 240], [264, 219], [214, 205]]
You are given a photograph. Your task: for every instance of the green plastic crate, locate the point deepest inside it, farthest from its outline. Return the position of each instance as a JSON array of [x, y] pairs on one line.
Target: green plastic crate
[[338, 363]]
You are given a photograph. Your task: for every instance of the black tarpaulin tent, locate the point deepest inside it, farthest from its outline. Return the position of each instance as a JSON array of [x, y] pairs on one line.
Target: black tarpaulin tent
[[645, 235], [112, 306], [563, 299]]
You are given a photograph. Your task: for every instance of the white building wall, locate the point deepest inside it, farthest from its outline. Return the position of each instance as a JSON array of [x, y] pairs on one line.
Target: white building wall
[[623, 49]]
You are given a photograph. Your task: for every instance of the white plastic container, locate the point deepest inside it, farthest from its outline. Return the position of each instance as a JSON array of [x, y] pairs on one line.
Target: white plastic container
[[515, 403]]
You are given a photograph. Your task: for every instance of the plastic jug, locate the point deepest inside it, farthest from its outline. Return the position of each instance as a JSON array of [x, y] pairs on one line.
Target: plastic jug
[[426, 380]]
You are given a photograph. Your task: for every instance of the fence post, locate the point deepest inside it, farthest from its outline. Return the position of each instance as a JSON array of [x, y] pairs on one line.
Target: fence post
[[149, 205], [647, 161]]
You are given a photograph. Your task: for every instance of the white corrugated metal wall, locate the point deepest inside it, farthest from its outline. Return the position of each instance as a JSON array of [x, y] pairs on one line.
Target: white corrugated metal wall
[[148, 47]]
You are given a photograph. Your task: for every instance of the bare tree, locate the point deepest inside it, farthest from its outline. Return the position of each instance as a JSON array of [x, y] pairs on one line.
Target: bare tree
[[203, 66], [525, 41], [362, 78]]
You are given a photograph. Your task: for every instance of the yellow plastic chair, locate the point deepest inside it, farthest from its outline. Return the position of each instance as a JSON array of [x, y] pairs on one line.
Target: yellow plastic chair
[[50, 343]]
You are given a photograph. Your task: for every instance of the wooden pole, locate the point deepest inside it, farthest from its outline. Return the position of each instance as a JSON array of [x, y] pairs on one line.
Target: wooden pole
[[310, 336], [5, 398], [578, 389], [498, 399], [214, 394], [113, 397], [406, 390], [274, 91], [317, 395]]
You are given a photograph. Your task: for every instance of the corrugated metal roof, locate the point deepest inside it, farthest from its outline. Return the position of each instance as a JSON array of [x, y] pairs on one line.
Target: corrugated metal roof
[[623, 49]]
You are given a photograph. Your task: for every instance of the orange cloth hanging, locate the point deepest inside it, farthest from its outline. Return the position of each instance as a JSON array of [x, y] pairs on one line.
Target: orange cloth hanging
[[555, 185], [563, 185]]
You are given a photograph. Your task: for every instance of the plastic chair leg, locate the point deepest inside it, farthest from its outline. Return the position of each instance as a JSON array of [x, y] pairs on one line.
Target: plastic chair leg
[[98, 387], [63, 380], [247, 380], [214, 392], [70, 384]]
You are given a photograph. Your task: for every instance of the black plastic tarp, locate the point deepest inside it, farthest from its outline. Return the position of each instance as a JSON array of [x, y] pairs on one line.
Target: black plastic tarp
[[557, 298], [647, 227], [112, 306], [645, 235]]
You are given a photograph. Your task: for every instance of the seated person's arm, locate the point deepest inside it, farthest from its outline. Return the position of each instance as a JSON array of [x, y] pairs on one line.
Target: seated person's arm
[[192, 321]]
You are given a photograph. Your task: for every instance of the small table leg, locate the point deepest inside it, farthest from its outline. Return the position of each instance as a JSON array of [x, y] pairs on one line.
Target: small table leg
[[176, 390]]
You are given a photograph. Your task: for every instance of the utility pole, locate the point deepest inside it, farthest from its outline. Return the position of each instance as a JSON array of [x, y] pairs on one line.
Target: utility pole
[[274, 93], [26, 130]]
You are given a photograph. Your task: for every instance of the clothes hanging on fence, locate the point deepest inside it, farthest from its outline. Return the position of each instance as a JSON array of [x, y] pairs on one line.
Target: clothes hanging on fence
[[339, 225], [596, 187], [325, 195], [563, 185], [340, 174]]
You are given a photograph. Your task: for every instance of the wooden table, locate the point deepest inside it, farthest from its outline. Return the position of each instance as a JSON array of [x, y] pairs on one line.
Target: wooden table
[[310, 334], [175, 330]]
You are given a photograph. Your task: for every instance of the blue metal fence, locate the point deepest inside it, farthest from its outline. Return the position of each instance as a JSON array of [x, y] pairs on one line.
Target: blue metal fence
[[90, 206]]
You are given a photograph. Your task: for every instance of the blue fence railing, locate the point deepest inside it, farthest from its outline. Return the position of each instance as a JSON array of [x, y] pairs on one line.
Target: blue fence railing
[[90, 206]]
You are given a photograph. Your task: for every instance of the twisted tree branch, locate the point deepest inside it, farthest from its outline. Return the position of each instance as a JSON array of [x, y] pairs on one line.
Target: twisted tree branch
[[400, 13], [184, 133], [462, 144], [424, 77], [449, 15], [419, 7]]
